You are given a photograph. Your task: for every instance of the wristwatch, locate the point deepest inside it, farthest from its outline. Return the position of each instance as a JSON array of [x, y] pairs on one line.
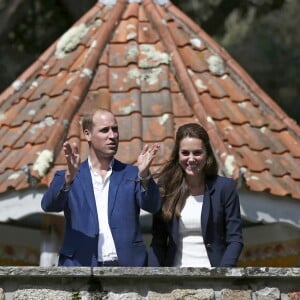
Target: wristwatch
[[144, 178], [67, 186]]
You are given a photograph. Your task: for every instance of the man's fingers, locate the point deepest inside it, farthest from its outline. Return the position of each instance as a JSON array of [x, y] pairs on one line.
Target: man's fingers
[[145, 149], [71, 152], [67, 148], [75, 149], [154, 149]]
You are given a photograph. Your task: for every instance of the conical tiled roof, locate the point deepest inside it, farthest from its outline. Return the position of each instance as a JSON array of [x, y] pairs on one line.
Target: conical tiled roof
[[155, 69]]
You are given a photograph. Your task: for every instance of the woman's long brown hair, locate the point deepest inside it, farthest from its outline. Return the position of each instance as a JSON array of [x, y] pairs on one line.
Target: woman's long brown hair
[[171, 179]]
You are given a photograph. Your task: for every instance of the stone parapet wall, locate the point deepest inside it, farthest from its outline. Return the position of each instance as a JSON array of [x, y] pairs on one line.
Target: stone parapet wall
[[61, 283]]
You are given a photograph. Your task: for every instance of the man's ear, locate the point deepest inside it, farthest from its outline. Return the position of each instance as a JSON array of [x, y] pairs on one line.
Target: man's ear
[[87, 134]]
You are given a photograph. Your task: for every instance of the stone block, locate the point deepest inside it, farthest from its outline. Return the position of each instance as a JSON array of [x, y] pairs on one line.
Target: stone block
[[228, 294], [268, 293]]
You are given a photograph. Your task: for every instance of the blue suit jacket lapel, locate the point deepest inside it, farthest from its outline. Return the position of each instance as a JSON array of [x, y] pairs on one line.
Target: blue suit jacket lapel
[[209, 189], [115, 180], [87, 185], [174, 228]]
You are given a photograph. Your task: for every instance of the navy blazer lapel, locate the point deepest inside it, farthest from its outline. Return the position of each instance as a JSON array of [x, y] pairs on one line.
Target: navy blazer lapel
[[85, 177], [209, 189], [115, 180], [174, 228]]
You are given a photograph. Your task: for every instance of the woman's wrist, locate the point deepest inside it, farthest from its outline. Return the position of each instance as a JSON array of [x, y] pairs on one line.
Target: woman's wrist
[[147, 177], [67, 185]]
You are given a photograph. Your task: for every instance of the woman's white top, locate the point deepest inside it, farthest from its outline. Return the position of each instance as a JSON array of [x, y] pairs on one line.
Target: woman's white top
[[191, 250]]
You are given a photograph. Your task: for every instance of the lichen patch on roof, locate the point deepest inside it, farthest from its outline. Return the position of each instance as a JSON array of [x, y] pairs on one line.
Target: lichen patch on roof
[[156, 70], [151, 57], [43, 162], [17, 85], [216, 65], [70, 40]]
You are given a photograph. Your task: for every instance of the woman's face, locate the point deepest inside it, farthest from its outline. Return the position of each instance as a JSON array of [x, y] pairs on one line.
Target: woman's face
[[192, 155]]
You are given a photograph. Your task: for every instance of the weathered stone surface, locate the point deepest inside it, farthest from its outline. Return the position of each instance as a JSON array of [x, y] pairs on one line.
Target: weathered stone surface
[[200, 294], [294, 295], [268, 293], [227, 294], [285, 297], [249, 272], [40, 294], [2, 296], [18, 283], [157, 296], [186, 294], [84, 295], [125, 296]]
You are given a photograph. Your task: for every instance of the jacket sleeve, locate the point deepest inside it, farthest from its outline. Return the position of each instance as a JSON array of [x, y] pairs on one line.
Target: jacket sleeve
[[55, 198], [233, 225], [150, 198], [159, 243]]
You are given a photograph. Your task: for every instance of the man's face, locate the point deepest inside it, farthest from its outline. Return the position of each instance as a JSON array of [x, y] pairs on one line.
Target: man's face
[[104, 137]]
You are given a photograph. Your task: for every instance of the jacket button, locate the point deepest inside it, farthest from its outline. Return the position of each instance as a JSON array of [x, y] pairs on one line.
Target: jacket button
[[208, 245]]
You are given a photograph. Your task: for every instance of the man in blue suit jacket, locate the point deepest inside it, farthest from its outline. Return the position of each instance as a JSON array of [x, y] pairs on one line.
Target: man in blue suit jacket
[[101, 199]]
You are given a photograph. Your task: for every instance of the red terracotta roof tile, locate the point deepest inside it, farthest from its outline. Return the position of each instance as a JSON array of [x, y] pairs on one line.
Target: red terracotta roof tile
[[180, 106], [100, 79], [155, 69], [147, 34], [126, 31], [192, 59], [121, 55], [126, 103], [129, 150], [156, 104]]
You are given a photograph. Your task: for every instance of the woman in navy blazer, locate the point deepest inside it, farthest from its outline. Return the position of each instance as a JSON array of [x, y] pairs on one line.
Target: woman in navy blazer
[[214, 235], [128, 189]]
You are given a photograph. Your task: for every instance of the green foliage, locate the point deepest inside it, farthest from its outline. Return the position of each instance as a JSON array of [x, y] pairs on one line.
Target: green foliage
[[263, 36], [43, 23], [270, 53]]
